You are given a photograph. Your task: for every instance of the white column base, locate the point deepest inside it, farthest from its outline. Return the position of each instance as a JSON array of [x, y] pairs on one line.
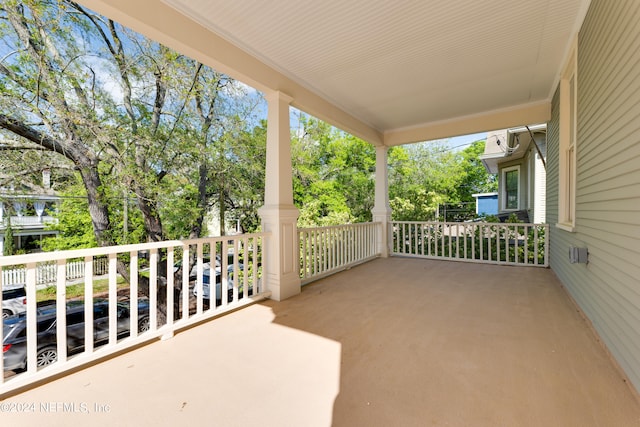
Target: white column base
[[281, 252], [384, 238]]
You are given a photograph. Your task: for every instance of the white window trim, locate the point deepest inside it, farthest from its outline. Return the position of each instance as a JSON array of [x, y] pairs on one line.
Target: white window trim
[[568, 143], [503, 191]]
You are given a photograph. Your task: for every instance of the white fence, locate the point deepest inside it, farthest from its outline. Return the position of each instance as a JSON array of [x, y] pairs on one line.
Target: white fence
[[46, 273], [484, 242], [327, 250], [158, 296]]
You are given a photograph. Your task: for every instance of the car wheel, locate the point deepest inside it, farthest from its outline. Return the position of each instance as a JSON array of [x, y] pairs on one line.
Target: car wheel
[[6, 313], [47, 356], [144, 325]]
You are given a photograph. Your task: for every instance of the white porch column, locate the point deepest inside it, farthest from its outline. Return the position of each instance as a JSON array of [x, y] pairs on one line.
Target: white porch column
[[279, 215], [381, 210]]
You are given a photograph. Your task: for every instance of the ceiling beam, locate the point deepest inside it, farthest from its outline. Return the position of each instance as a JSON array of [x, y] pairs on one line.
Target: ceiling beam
[[484, 122]]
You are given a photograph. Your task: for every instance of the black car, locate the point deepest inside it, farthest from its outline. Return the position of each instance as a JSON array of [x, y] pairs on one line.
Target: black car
[[14, 345]]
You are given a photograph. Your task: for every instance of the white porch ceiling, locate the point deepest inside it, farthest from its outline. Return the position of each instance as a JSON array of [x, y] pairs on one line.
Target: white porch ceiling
[[389, 71]]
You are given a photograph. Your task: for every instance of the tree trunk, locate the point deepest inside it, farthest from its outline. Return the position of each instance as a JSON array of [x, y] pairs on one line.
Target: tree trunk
[[196, 230], [221, 202]]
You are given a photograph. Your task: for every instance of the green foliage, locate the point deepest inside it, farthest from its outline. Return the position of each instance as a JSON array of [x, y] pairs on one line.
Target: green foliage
[[8, 239], [424, 176], [156, 125], [73, 223], [333, 175], [472, 175], [420, 179], [178, 209]]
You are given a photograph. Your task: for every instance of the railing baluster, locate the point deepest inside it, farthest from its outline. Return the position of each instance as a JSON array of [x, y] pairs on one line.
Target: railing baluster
[[489, 238], [61, 311], [254, 264], [546, 245], [133, 293], [526, 245], [481, 239], [245, 272], [303, 253], [113, 290], [473, 241], [535, 245], [200, 278], [185, 281], [170, 288], [224, 277], [153, 289], [235, 271], [32, 332], [88, 305], [500, 235], [516, 242], [464, 232]]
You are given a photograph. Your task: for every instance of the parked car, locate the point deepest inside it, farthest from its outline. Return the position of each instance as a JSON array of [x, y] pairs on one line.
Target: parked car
[[14, 345], [14, 301], [206, 275], [207, 265], [206, 282]]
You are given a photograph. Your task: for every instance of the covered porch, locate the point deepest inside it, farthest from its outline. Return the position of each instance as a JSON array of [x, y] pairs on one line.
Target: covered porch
[[395, 341]]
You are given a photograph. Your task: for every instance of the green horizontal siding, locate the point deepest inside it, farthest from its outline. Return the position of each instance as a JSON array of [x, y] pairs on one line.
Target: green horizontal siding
[[608, 185]]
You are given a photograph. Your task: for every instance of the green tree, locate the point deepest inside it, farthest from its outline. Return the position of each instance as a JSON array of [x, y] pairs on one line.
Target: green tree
[[473, 176], [134, 117], [420, 179], [8, 239], [48, 96], [333, 175], [74, 226]]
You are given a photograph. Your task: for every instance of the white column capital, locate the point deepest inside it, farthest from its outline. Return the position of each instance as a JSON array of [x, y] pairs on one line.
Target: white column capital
[[276, 95]]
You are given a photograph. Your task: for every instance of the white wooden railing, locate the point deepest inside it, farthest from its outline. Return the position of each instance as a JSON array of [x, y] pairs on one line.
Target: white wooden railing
[[484, 242], [327, 250], [170, 309], [46, 273]]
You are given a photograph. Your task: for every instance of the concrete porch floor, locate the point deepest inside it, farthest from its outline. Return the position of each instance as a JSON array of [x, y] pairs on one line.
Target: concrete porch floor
[[394, 342]]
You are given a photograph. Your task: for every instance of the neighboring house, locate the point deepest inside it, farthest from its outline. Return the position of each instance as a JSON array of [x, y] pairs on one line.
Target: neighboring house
[[29, 216], [519, 162]]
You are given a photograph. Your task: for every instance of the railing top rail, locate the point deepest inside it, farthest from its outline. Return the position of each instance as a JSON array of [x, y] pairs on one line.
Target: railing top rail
[[107, 250], [329, 227], [504, 224]]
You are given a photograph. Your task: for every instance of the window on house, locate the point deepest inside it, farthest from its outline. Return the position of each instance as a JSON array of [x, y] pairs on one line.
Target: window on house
[[568, 138], [511, 180]]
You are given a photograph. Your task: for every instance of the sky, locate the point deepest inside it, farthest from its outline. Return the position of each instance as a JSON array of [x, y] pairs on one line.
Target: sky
[[462, 142]]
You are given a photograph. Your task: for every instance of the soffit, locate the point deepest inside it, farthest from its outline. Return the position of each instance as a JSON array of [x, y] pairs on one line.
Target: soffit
[[404, 63]]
